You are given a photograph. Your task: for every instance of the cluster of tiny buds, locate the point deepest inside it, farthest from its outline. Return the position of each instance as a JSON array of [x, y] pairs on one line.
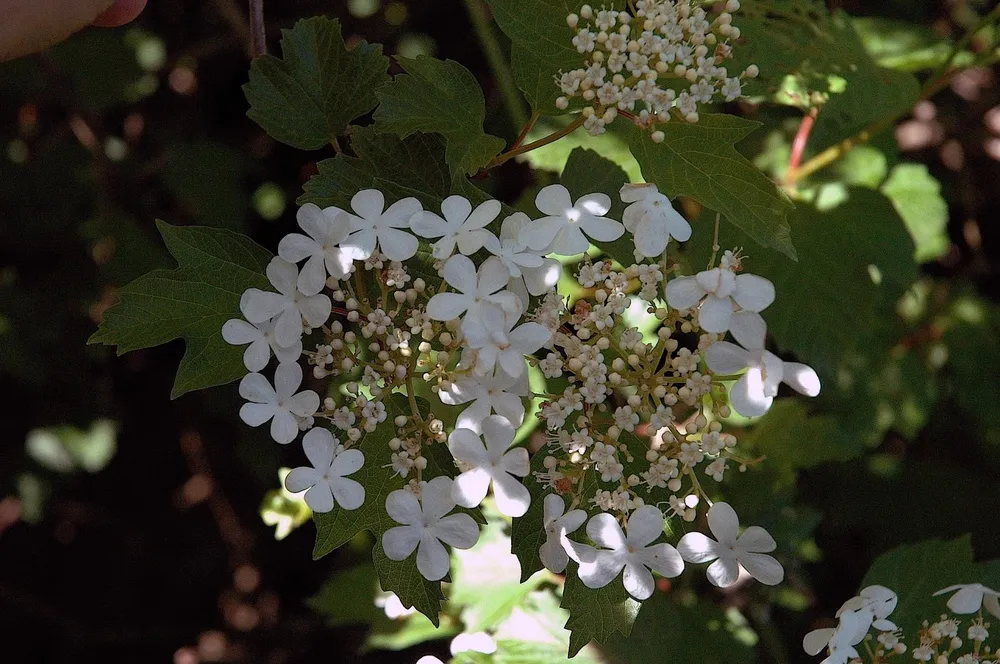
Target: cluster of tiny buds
[[634, 63]]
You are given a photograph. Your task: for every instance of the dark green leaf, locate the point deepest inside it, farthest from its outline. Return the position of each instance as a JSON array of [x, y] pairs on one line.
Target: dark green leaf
[[190, 302], [307, 98], [699, 161], [443, 97], [596, 615], [793, 439]]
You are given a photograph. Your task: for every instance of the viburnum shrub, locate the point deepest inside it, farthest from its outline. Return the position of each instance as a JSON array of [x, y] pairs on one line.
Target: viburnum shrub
[[573, 370]]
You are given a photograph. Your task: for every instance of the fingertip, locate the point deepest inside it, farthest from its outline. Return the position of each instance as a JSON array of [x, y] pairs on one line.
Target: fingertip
[[120, 13]]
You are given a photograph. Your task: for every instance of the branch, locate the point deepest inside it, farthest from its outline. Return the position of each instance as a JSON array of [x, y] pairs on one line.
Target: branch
[[258, 35]]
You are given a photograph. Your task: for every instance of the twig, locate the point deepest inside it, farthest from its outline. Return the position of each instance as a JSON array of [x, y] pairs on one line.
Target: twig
[[801, 139], [258, 35], [498, 61], [545, 140]]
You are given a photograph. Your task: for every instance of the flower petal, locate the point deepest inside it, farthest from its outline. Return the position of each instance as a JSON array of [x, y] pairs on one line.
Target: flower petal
[[604, 530], [698, 548], [756, 540], [288, 327], [715, 313], [429, 225], [255, 414], [347, 463], [541, 280], [723, 357], [967, 600], [300, 479], [467, 447], [801, 378], [644, 526], [472, 417], [296, 247], [368, 203], [284, 428], [553, 556], [638, 581], [481, 217], [319, 498], [512, 497], [553, 200], [470, 488], [312, 278], [319, 446], [399, 213], [684, 293], [749, 329], [287, 378], [601, 569], [256, 355], [499, 434], [303, 404], [747, 395], [601, 229], [492, 276], [456, 209], [753, 292], [723, 523], [432, 558], [448, 306], [723, 572], [403, 507], [815, 641], [763, 567], [399, 542], [435, 498], [255, 387], [348, 493], [258, 306], [397, 245], [540, 233], [460, 273], [509, 406], [238, 332], [663, 559], [457, 530]]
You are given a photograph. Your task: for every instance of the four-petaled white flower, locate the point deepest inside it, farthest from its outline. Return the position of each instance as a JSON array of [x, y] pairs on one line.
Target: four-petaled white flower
[[562, 231], [755, 390], [326, 482], [325, 229], [651, 219], [493, 463], [505, 345], [732, 550], [373, 225], [970, 597], [719, 290], [262, 342], [476, 292], [557, 525], [631, 552], [461, 226], [530, 272], [280, 404], [497, 392], [426, 524], [288, 306]]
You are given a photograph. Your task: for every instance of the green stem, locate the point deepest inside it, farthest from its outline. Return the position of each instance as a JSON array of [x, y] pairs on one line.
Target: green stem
[[497, 60]]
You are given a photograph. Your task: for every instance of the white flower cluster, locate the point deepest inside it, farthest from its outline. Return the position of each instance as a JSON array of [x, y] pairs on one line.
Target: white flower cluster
[[939, 642], [638, 412], [664, 59]]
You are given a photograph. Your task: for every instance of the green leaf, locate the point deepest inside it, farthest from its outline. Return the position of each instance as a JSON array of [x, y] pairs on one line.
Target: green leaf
[[916, 195], [443, 97], [335, 528], [900, 44], [190, 302], [596, 615], [792, 439], [699, 161], [916, 571], [413, 166], [307, 98], [541, 46], [667, 631]]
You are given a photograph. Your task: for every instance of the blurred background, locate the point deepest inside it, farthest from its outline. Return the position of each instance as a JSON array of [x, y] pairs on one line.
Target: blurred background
[[138, 529]]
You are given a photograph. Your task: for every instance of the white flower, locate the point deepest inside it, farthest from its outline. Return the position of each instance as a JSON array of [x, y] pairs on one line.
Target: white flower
[[325, 230], [562, 231], [732, 551], [262, 343], [473, 642], [505, 346], [498, 392], [719, 290], [373, 225], [326, 482], [871, 606], [476, 292], [288, 306], [461, 226], [280, 403], [530, 273], [631, 552], [755, 390], [425, 527], [651, 219], [493, 463], [970, 597], [557, 526]]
